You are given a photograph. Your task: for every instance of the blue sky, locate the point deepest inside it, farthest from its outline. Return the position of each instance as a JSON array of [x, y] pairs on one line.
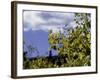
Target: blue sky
[[37, 24]]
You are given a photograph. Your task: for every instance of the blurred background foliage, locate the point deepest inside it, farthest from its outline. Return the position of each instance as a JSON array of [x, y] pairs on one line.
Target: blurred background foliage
[[73, 48]]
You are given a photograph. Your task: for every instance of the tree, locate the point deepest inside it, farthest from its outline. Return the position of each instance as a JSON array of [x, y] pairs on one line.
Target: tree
[[77, 43]]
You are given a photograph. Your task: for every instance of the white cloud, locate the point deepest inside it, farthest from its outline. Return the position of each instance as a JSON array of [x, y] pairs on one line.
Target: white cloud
[[26, 29], [49, 27], [72, 24], [38, 20], [31, 18]]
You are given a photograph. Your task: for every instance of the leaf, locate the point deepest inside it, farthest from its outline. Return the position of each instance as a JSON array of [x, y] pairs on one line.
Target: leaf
[[88, 36]]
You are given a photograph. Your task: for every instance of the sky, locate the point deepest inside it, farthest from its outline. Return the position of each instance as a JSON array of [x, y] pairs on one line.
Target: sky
[[36, 25]]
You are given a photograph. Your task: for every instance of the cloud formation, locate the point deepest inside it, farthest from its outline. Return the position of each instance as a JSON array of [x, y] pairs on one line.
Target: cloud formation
[[45, 20]]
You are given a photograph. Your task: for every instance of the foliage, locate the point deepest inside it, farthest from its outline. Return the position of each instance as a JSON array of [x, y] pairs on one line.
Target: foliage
[[73, 48]]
